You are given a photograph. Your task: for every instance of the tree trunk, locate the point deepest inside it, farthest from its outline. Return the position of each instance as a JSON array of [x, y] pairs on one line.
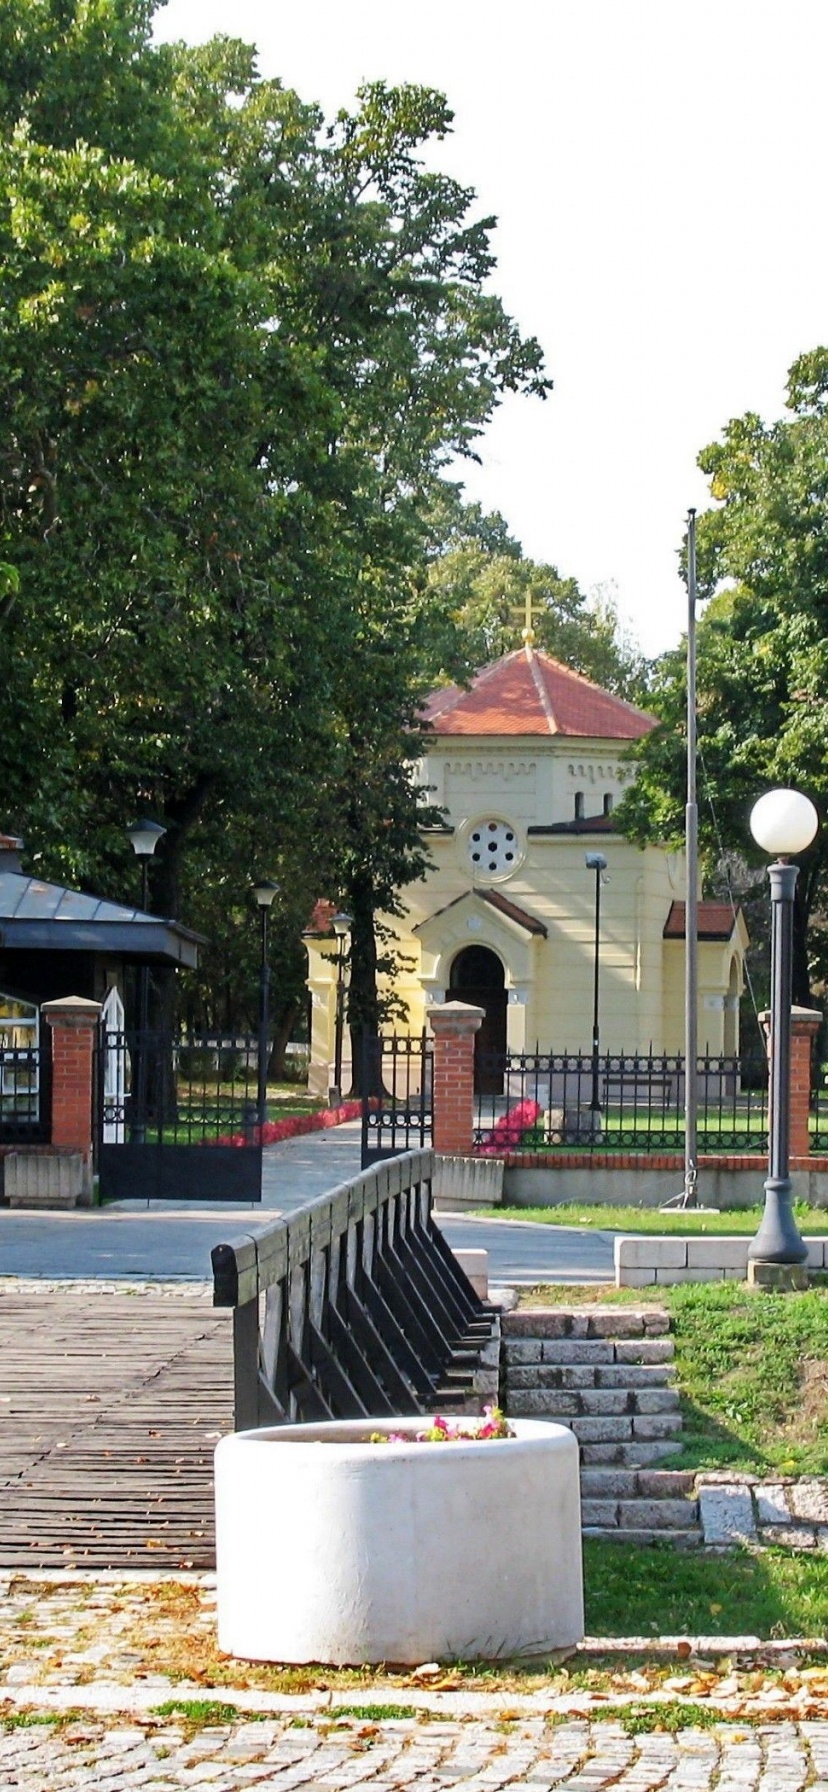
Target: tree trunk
[[363, 1002], [164, 899], [282, 1029], [801, 981]]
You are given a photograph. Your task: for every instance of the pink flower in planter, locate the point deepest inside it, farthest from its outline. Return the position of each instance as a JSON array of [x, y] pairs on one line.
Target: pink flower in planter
[[491, 1424], [508, 1131]]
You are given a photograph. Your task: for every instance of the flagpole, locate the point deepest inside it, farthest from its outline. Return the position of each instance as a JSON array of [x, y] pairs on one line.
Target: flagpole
[[691, 912]]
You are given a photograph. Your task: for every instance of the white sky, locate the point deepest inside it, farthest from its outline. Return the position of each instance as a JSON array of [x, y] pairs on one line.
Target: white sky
[[658, 170]]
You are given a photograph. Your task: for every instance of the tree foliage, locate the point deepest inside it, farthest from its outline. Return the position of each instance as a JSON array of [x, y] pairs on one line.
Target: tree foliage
[[486, 584], [237, 352], [762, 650]]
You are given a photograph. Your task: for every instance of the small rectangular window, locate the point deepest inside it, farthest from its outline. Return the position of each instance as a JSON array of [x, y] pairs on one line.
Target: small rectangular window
[[608, 802], [579, 805]]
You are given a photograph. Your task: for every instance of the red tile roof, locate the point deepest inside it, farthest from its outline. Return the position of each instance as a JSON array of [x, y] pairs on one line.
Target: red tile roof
[[320, 920], [514, 911], [716, 921], [529, 923], [530, 693]]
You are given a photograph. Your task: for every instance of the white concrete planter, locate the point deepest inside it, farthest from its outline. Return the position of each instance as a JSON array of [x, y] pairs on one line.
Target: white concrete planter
[[331, 1549]]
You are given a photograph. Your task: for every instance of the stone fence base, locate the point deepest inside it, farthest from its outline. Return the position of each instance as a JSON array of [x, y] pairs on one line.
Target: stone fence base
[[46, 1178], [645, 1179], [459, 1182]]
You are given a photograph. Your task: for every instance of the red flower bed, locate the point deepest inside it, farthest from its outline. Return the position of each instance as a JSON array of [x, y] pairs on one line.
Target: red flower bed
[[274, 1131], [508, 1131]]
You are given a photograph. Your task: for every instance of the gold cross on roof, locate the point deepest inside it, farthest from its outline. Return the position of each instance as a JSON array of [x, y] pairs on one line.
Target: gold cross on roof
[[527, 632]]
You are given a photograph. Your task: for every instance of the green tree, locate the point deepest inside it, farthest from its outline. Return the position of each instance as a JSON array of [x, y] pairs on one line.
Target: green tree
[[441, 352], [236, 355], [762, 651], [485, 582]]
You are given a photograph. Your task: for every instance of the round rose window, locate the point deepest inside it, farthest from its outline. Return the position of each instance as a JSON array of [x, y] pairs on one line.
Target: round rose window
[[493, 847]]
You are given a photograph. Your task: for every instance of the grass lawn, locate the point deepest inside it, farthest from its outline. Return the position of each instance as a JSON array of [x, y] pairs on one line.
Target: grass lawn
[[209, 1112], [667, 1592], [732, 1220], [753, 1374], [751, 1367]]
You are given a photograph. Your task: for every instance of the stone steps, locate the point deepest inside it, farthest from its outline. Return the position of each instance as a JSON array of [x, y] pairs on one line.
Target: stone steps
[[607, 1373]]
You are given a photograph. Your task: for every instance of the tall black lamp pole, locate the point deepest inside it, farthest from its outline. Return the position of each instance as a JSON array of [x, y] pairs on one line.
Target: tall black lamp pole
[[596, 862], [144, 836], [341, 924], [264, 893], [782, 822]]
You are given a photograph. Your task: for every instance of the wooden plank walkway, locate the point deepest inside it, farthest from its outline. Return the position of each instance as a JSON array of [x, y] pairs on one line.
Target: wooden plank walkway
[[111, 1403]]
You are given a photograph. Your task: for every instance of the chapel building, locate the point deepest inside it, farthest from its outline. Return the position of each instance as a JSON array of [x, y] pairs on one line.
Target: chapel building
[[527, 766]]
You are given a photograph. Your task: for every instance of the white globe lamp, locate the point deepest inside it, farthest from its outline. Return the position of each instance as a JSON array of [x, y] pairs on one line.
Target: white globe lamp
[[783, 822]]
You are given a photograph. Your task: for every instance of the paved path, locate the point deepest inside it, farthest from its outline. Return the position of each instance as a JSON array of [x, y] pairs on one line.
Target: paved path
[[483, 1756], [170, 1239], [167, 1246], [104, 1663]]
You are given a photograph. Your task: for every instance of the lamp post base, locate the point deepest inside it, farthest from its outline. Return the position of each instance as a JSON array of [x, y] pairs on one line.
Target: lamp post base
[[778, 1239], [781, 1278]]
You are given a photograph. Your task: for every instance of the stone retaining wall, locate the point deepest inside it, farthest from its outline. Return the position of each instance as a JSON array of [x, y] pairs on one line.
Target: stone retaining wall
[[642, 1261], [741, 1509], [535, 1180]]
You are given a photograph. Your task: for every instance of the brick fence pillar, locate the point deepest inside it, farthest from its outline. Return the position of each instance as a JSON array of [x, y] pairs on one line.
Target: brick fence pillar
[[805, 1023], [454, 1025], [74, 1024]]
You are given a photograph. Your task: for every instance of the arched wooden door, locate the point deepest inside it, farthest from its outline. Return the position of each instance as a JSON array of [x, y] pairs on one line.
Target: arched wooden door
[[477, 976]]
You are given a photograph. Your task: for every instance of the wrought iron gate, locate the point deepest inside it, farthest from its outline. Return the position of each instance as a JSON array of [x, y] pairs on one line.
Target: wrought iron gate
[[396, 1100], [176, 1118]]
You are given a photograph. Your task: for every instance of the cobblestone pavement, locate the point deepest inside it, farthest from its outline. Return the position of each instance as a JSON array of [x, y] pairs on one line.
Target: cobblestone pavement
[[92, 1694], [480, 1755]]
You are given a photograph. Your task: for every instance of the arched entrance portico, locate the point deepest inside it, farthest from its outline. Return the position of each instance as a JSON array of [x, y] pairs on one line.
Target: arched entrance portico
[[477, 976]]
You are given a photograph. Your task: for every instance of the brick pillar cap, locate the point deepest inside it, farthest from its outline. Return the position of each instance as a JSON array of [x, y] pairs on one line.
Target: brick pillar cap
[[803, 1020], [71, 1010], [456, 1017]]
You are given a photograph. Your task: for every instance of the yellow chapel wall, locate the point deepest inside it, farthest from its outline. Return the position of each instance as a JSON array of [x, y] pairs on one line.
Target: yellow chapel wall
[[529, 783], [549, 981]]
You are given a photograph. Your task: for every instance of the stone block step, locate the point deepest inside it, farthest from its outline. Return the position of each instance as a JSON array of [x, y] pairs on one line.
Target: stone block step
[[595, 1352], [689, 1539], [588, 1375], [637, 1454], [648, 1427], [637, 1514], [633, 1483], [592, 1428], [586, 1322], [607, 1373], [634, 1375], [593, 1403]]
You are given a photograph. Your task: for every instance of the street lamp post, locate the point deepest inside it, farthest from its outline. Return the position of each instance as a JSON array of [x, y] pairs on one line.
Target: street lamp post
[[264, 893], [144, 836], [596, 862], [782, 822], [341, 924]]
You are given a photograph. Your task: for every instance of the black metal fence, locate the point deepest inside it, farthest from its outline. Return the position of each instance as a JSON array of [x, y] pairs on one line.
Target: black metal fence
[[26, 1093], [555, 1101], [396, 1104], [177, 1116], [353, 1307], [819, 1112]]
